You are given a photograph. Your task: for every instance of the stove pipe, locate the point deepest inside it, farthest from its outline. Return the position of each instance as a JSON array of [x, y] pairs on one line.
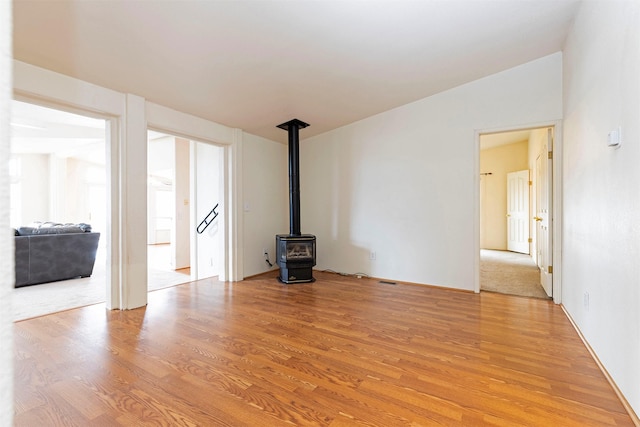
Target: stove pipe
[[292, 127]]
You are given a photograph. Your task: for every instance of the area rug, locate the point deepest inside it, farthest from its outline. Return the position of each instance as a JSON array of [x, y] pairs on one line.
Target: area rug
[[47, 298]]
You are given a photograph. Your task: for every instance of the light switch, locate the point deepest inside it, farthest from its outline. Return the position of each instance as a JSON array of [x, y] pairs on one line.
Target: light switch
[[614, 138]]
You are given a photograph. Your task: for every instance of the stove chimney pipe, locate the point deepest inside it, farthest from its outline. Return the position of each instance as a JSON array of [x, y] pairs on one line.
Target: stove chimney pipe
[[292, 127]]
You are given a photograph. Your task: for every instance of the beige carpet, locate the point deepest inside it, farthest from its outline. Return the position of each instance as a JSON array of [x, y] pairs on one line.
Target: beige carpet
[[510, 273], [47, 298]]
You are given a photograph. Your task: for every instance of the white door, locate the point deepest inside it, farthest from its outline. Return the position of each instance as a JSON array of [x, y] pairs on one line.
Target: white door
[[518, 211], [543, 217]]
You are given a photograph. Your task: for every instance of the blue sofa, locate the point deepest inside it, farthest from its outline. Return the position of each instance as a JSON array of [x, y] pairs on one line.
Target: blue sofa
[[48, 252]]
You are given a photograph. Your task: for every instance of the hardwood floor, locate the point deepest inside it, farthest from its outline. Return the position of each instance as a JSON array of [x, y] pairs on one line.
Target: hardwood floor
[[338, 352]]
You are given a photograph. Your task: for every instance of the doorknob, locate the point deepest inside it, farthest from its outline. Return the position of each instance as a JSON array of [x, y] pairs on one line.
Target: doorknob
[[537, 218]]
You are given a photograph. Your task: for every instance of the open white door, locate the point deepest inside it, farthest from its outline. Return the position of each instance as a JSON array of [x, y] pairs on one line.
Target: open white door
[[206, 177], [544, 244], [518, 211]]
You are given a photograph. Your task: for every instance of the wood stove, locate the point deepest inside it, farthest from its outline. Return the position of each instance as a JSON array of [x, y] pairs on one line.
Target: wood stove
[[295, 252], [296, 256]]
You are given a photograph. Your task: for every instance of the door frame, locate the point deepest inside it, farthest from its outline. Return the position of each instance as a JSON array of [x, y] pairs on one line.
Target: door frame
[[193, 202], [111, 237], [182, 125], [556, 214]]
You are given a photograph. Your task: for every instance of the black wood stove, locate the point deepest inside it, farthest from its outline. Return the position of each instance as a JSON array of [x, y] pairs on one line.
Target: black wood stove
[[295, 252]]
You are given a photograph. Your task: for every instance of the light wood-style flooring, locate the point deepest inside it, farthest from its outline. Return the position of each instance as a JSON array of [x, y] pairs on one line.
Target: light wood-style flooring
[[339, 352]]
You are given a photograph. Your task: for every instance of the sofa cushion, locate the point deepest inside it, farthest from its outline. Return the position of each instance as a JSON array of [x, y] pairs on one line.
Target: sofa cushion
[[53, 228], [26, 231]]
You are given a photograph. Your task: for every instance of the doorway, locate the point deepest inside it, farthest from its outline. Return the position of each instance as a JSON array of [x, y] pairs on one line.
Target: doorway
[[167, 199], [516, 211], [58, 173], [184, 182]]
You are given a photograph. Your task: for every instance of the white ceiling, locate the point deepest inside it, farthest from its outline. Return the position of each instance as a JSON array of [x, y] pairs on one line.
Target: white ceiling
[[256, 64]]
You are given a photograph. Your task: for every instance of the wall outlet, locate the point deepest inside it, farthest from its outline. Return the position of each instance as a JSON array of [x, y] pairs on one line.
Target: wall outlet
[[265, 252], [372, 256], [586, 301]]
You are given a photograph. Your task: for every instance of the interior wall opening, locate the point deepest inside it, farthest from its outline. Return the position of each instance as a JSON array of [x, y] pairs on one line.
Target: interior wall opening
[[184, 229], [58, 172], [515, 212]]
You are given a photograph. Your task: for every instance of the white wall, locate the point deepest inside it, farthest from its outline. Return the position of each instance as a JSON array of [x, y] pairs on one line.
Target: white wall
[[161, 158], [161, 162], [69, 197], [58, 189], [266, 200], [602, 186], [6, 240], [34, 188], [181, 233], [404, 183], [499, 161], [65, 175]]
